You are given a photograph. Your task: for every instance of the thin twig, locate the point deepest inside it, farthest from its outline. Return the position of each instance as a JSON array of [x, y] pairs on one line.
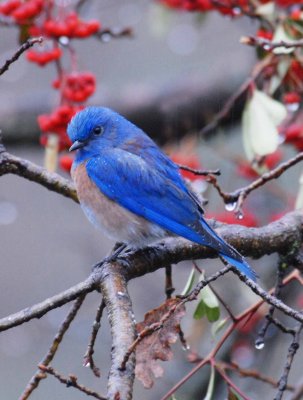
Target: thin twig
[[183, 299], [47, 359], [106, 34], [294, 346], [231, 384], [281, 271], [40, 309], [240, 195], [251, 373], [226, 109], [228, 332], [268, 45], [71, 381], [202, 172], [268, 298], [88, 360], [25, 46], [169, 289]]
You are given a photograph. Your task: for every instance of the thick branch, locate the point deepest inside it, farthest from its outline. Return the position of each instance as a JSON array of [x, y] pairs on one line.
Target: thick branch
[[278, 237], [113, 287]]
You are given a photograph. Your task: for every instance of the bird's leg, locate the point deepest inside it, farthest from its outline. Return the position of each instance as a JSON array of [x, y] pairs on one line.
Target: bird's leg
[[113, 255]]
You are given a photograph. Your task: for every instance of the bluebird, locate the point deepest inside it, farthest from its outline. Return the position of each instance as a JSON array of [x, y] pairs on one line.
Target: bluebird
[[132, 191]]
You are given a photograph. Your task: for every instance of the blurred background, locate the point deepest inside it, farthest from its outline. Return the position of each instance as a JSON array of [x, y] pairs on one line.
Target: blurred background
[[170, 78]]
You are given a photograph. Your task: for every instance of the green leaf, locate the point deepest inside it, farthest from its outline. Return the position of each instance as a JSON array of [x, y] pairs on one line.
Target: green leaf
[[211, 384], [200, 310], [213, 314], [208, 304], [190, 282], [260, 119]]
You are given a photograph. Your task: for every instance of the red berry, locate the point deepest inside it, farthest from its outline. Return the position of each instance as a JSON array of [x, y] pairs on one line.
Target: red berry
[[65, 162]]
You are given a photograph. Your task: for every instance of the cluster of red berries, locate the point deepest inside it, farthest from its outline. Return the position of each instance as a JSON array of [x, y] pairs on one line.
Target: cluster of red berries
[[50, 24], [43, 57], [54, 20], [71, 26], [21, 11], [56, 122], [76, 87], [228, 7]]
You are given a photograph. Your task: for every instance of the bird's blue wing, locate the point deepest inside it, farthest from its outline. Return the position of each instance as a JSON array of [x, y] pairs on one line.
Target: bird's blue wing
[[159, 196]]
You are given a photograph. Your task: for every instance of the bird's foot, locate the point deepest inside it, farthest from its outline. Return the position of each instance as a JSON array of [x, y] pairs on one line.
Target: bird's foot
[[113, 256]]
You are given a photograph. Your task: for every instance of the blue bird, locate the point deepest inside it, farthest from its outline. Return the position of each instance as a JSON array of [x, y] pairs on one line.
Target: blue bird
[[132, 191]]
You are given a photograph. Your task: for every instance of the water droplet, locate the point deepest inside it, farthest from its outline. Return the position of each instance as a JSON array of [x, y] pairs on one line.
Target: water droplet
[[292, 107], [240, 215], [230, 206], [237, 11], [106, 37], [259, 344], [64, 40]]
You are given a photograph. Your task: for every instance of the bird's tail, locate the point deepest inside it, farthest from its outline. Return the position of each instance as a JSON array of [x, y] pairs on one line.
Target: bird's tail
[[240, 264], [225, 250]]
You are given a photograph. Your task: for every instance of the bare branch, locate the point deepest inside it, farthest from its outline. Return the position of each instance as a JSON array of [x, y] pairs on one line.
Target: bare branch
[[228, 106], [240, 195], [71, 381], [25, 46], [268, 45], [10, 164], [40, 309], [294, 346], [88, 359], [47, 359], [201, 172]]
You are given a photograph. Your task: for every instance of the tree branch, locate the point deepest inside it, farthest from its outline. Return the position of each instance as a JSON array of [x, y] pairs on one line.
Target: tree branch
[[113, 286], [47, 359], [277, 237], [10, 164], [40, 309], [71, 381], [25, 46]]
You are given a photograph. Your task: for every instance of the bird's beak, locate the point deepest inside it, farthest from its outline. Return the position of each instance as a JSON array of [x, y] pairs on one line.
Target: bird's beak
[[77, 145]]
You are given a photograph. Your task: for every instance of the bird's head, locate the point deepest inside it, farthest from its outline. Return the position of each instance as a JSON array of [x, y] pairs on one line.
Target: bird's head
[[90, 126]]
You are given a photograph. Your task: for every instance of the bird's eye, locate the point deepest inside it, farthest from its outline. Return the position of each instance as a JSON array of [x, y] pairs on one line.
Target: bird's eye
[[98, 130]]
